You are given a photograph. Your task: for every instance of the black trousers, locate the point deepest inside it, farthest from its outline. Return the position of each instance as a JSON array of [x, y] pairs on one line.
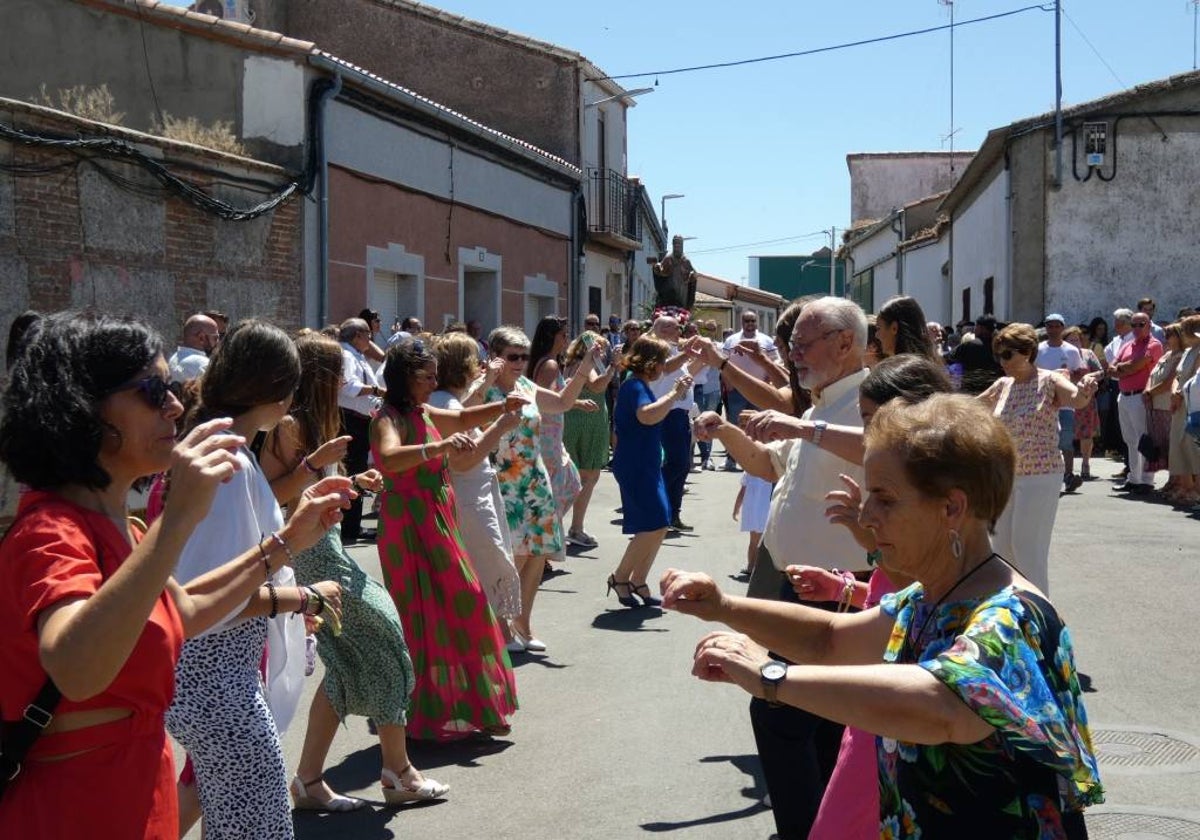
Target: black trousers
[[797, 750], [358, 427], [677, 460]]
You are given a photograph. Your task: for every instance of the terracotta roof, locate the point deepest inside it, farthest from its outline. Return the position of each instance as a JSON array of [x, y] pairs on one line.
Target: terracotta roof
[[164, 14]]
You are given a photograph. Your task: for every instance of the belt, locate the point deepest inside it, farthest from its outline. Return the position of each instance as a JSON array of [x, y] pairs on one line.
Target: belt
[[1132, 393]]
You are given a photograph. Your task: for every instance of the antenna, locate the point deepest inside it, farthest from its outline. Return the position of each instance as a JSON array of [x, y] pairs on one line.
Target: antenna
[[1195, 4], [949, 138]]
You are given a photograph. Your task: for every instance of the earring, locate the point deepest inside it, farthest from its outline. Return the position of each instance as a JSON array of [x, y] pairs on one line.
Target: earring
[[956, 547]]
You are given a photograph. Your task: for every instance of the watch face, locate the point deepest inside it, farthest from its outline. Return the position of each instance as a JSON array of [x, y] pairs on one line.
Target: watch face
[[773, 671]]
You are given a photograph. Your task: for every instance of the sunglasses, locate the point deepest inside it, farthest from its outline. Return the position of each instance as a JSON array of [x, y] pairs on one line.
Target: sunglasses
[[153, 389], [516, 357], [1007, 354]]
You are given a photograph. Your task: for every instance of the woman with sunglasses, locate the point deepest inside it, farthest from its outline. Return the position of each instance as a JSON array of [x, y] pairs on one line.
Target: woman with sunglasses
[[464, 680], [1027, 400], [88, 411], [228, 724], [524, 481]]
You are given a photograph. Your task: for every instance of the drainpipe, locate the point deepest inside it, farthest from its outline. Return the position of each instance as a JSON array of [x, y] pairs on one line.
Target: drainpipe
[[899, 252], [323, 211], [575, 281]]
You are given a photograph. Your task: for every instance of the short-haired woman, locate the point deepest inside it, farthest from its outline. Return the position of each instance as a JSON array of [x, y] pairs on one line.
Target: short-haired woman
[[586, 436], [967, 676], [1027, 400], [465, 683], [524, 480], [645, 510], [88, 410]]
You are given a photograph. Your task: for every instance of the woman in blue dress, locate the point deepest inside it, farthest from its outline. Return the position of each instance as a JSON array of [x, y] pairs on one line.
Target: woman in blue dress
[[637, 465]]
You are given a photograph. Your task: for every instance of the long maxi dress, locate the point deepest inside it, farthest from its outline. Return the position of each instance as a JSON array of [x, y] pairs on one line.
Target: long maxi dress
[[464, 679]]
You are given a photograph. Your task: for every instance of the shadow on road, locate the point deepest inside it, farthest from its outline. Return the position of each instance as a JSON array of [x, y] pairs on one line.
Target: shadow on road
[[370, 823], [749, 765], [629, 620]]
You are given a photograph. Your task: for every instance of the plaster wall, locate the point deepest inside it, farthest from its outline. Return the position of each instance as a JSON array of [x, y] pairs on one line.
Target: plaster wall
[[924, 281], [979, 248], [882, 183]]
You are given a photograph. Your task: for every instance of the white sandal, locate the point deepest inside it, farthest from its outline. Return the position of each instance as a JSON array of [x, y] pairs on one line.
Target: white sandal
[[395, 792], [337, 804]]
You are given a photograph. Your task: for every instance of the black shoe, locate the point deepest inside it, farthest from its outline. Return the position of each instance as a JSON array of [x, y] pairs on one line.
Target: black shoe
[[643, 591], [677, 525], [626, 599], [1133, 489], [1073, 482]]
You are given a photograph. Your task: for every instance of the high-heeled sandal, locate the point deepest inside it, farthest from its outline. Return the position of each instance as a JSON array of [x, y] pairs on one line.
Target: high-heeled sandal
[[395, 792], [643, 591], [304, 801], [626, 599]]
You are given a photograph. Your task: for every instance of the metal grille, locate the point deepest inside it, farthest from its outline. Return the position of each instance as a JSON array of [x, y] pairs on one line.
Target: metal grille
[[610, 204], [1118, 826], [1124, 748]]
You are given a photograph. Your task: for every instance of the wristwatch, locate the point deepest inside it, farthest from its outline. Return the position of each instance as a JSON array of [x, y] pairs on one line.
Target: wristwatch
[[819, 427], [773, 672]]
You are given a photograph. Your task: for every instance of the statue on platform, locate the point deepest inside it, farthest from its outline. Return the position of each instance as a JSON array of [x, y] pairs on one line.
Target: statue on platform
[[674, 278]]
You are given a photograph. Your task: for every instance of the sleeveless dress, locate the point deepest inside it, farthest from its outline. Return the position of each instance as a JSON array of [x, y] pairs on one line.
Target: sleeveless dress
[[585, 433], [368, 671], [525, 482], [464, 679], [564, 475]]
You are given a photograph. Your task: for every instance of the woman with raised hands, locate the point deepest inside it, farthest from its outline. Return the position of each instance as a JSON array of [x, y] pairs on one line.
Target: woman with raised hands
[[88, 410]]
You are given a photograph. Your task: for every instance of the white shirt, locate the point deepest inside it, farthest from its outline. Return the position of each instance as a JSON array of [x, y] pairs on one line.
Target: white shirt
[[1113, 347], [1056, 358], [396, 337], [797, 530], [187, 363], [745, 362], [356, 375], [662, 386]]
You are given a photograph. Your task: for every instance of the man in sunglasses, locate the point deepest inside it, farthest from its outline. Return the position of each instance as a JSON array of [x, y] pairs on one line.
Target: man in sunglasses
[[1131, 368], [190, 359]]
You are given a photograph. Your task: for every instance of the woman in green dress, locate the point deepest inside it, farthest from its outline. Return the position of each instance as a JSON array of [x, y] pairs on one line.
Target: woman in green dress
[[368, 670]]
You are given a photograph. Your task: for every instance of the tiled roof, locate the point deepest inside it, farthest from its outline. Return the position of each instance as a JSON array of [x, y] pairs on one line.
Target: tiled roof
[[167, 15]]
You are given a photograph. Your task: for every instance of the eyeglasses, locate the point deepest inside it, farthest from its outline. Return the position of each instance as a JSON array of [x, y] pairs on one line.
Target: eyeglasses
[[803, 346], [516, 357], [1007, 354], [153, 389]]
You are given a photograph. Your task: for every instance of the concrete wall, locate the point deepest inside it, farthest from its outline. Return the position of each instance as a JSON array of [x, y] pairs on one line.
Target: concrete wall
[[979, 246], [882, 183], [60, 44], [605, 269], [523, 92], [614, 131], [1110, 243], [73, 239], [924, 281]]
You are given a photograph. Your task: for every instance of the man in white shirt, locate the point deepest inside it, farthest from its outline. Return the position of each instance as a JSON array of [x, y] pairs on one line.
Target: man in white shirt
[[749, 336], [677, 427], [798, 750], [190, 359], [1056, 354], [358, 399], [1123, 327]]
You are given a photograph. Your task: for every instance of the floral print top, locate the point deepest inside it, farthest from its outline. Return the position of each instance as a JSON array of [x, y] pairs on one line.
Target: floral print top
[[1009, 658]]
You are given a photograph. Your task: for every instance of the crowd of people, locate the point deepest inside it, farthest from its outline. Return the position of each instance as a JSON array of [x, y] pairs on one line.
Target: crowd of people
[[899, 490]]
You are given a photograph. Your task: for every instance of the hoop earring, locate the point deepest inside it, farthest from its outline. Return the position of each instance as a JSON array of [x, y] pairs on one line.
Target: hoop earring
[[956, 546]]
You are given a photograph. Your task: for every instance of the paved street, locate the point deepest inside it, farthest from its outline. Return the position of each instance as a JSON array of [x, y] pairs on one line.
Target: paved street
[[615, 740]]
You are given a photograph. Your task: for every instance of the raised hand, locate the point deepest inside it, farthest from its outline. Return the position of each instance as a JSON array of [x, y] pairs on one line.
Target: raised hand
[[770, 425], [706, 424], [811, 583], [845, 509], [371, 480], [330, 452], [461, 442], [204, 459], [515, 401], [320, 508], [732, 658], [691, 593]]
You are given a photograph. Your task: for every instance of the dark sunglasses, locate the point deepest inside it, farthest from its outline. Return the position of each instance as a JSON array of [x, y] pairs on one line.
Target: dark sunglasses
[[1007, 354], [516, 357], [153, 389]]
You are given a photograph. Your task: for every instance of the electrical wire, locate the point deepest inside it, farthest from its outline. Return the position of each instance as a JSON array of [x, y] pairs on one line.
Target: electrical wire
[[137, 5], [1087, 41], [745, 245], [832, 48]]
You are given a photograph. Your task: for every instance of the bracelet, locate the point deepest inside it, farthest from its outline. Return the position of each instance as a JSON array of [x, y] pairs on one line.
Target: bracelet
[[319, 598], [283, 544], [265, 559], [303, 601], [724, 362], [847, 597], [308, 465], [424, 455], [274, 599]]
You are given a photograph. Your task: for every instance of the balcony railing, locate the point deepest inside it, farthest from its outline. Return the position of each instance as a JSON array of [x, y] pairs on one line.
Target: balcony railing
[[611, 206]]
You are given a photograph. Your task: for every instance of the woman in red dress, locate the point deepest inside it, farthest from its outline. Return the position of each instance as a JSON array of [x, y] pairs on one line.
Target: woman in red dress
[[88, 601], [464, 679]]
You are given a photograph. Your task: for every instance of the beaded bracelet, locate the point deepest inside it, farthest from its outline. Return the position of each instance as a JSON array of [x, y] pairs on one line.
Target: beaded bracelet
[[308, 465], [320, 599], [303, 601], [274, 599], [283, 544]]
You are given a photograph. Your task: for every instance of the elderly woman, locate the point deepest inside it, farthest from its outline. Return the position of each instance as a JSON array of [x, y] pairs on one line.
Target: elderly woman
[[524, 480], [638, 421], [1157, 397], [89, 410], [1027, 400], [1184, 456], [967, 676]]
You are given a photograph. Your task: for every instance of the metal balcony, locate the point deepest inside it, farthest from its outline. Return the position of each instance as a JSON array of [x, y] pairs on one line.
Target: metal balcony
[[612, 209]]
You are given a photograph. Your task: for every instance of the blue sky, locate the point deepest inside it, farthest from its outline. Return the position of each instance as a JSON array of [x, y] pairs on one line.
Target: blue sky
[[760, 151]]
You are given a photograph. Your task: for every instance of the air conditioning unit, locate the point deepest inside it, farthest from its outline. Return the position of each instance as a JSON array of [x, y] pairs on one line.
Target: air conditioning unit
[[234, 10]]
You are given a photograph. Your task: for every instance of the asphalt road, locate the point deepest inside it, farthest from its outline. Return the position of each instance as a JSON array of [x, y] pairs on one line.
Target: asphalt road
[[614, 739]]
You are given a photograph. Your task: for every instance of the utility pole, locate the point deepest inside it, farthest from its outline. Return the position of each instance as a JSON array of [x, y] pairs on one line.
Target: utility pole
[[1058, 118], [953, 130], [833, 262], [1195, 15]]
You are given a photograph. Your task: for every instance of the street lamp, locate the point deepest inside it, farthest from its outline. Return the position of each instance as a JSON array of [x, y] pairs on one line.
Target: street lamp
[[662, 205], [626, 94]]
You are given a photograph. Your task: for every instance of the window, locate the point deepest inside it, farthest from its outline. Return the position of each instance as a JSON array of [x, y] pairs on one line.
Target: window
[[966, 304], [989, 304], [862, 289]]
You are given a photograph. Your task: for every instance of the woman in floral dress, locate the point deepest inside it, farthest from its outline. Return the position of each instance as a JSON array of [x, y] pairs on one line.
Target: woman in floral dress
[[524, 481], [464, 680]]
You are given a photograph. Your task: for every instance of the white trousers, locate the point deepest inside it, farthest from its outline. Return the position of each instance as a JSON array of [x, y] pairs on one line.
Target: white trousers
[[1132, 413], [1024, 529]]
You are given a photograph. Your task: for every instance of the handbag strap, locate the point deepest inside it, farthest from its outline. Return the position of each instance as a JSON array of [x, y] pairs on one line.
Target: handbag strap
[[19, 736]]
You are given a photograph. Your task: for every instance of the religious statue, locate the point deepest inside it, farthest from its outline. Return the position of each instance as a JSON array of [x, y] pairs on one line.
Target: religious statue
[[674, 278]]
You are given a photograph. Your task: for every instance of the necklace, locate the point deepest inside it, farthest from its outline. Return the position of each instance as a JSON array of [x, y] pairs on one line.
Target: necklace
[[907, 654]]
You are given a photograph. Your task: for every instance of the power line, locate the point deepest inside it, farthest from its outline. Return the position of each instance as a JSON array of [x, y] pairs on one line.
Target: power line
[[745, 245], [1071, 20], [834, 47]]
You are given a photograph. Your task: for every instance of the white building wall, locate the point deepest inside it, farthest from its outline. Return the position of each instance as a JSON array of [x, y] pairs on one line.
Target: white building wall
[[980, 249], [1110, 243], [886, 283], [614, 124], [882, 183], [923, 279]]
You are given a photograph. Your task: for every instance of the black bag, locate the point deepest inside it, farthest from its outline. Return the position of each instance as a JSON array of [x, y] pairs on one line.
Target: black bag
[[1148, 448], [17, 737]]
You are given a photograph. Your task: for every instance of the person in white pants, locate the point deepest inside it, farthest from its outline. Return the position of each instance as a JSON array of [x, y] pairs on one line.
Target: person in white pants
[[1131, 368]]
